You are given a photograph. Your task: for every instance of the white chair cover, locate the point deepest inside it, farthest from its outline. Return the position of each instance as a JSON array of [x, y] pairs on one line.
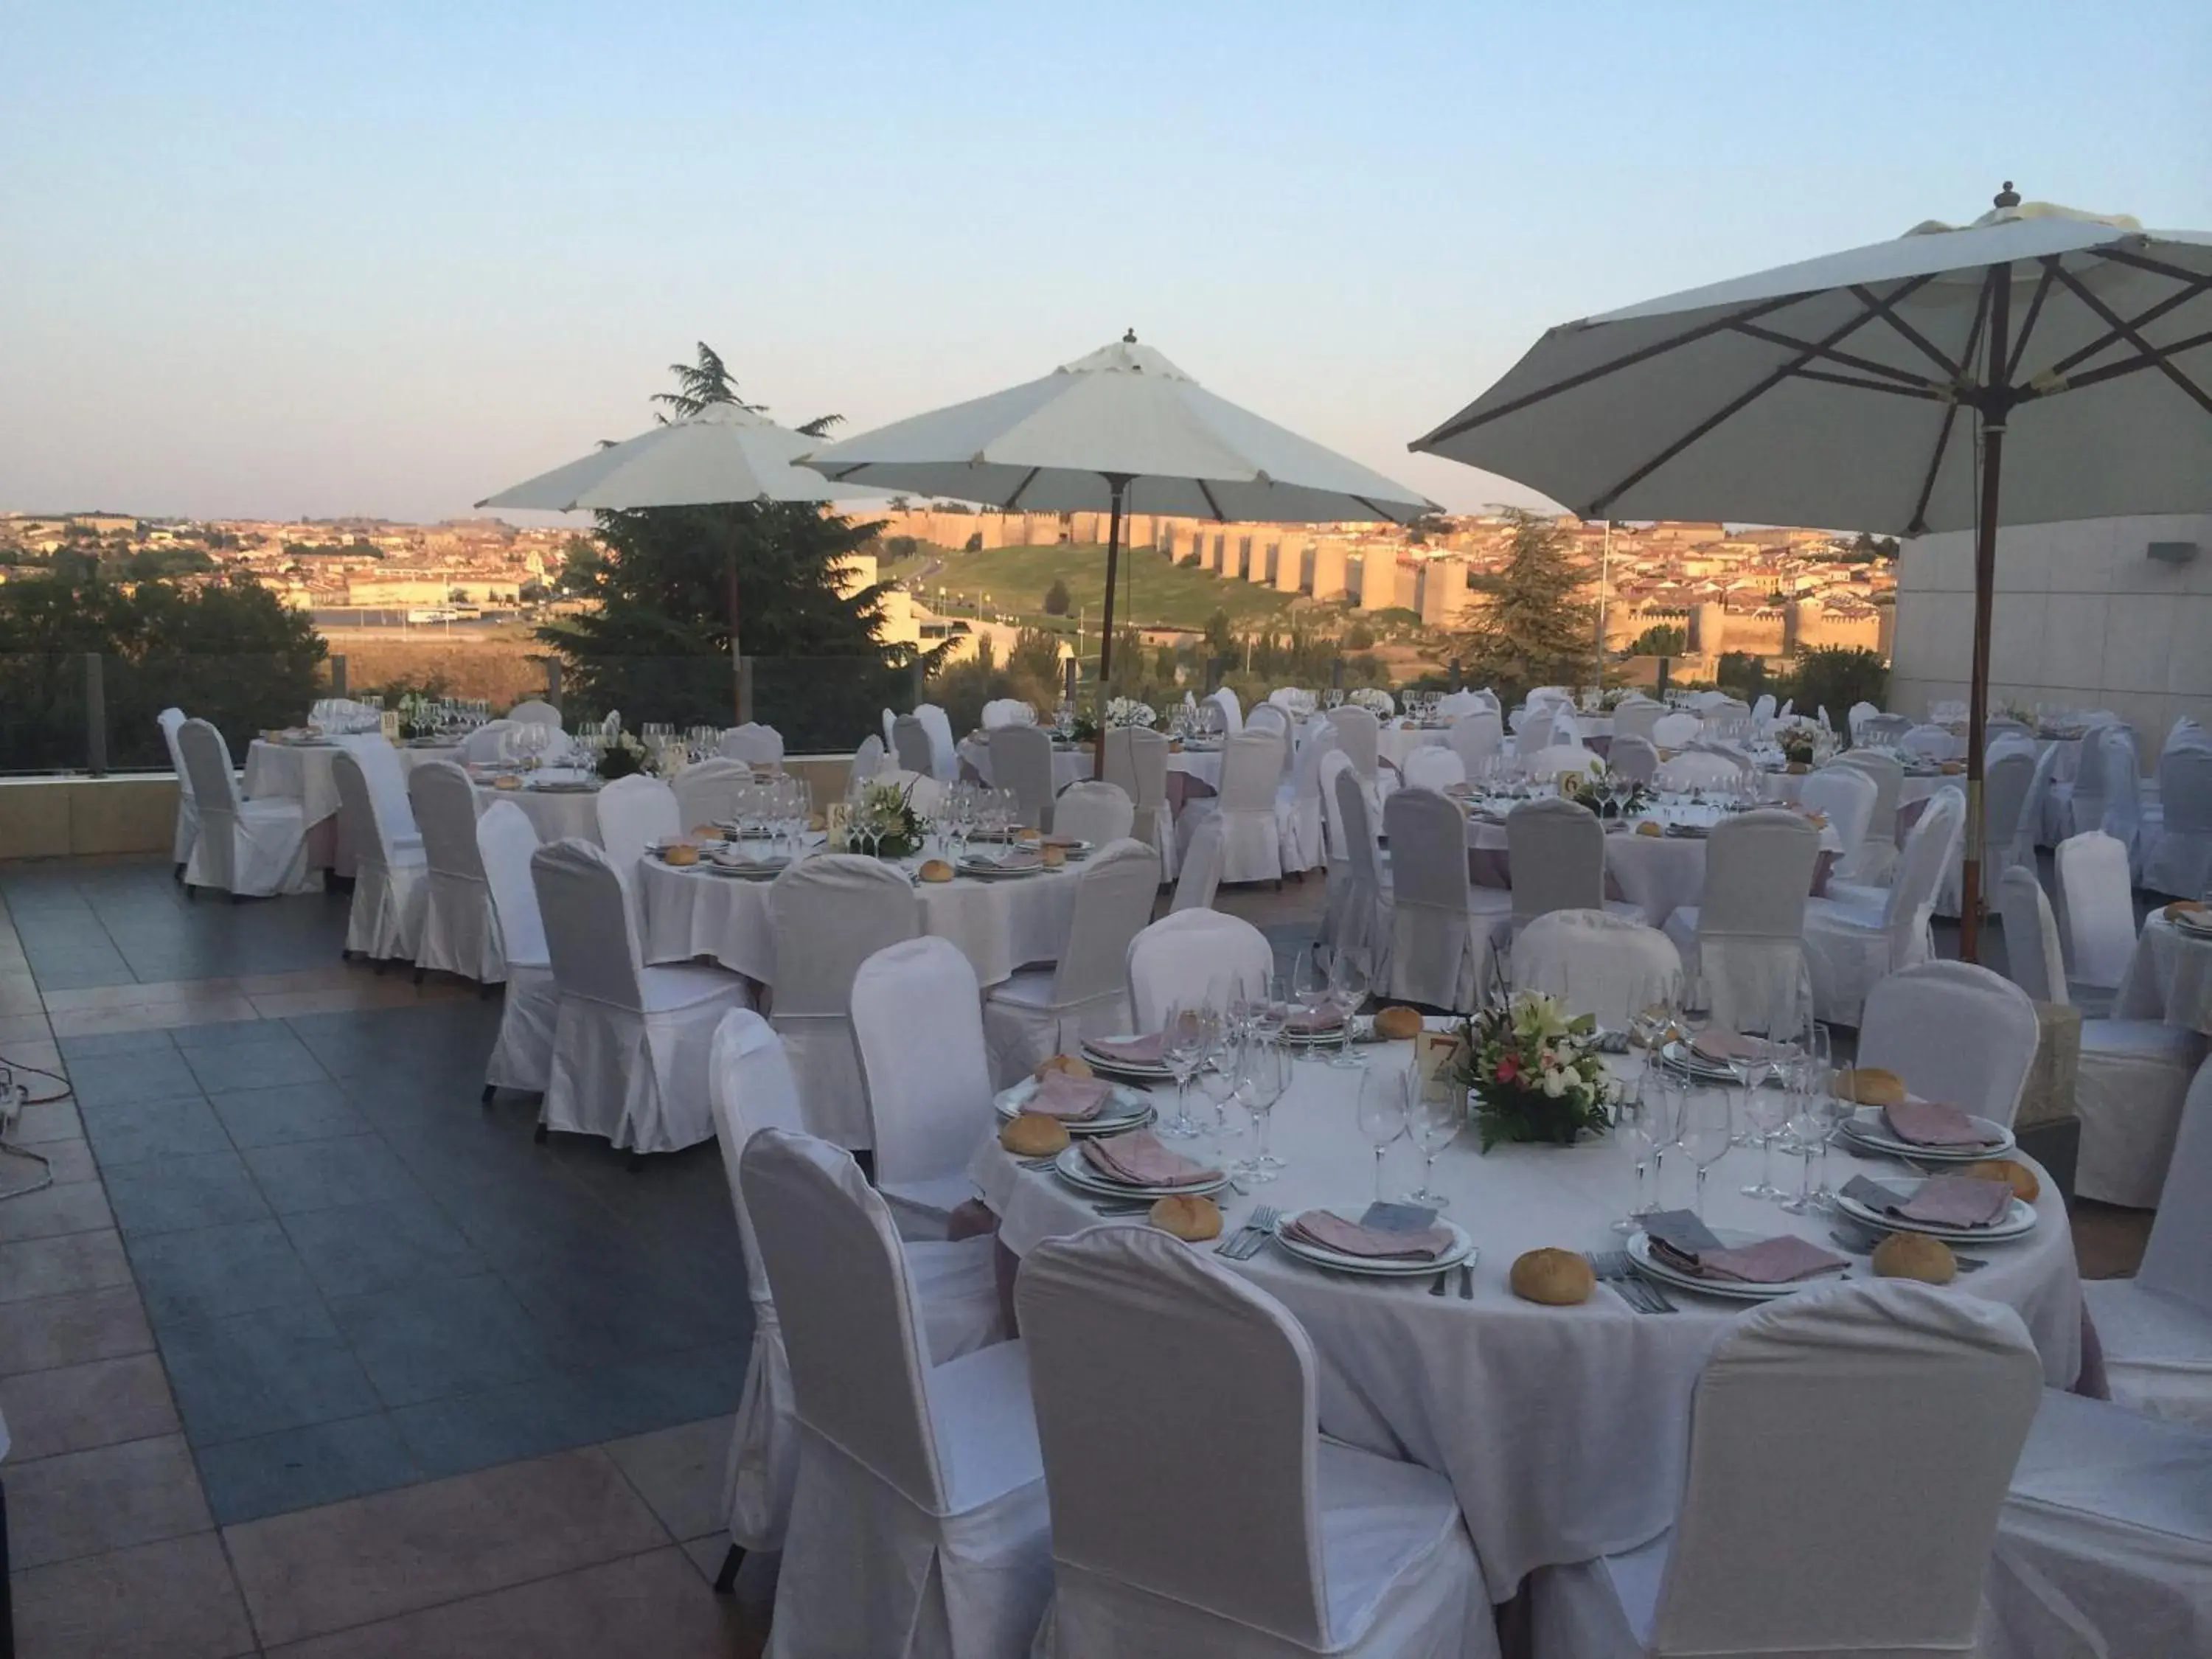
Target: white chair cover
[[1883, 730], [1008, 711], [1021, 760], [1633, 757], [1748, 937], [1292, 699], [1638, 717], [1547, 763], [1557, 850], [2125, 816], [867, 760], [1267, 717], [1150, 1363], [1040, 1013], [1442, 926], [1532, 727], [1954, 1031], [2179, 860], [1676, 730], [1233, 712], [1937, 743], [1873, 860], [1844, 795], [534, 711], [2155, 1329], [918, 1025], [1856, 719], [750, 1088], [1849, 944], [2098, 906], [2033, 958], [1816, 1410], [1137, 760], [635, 814], [1763, 710], [522, 1059], [1299, 821], [944, 755], [390, 887], [630, 1043], [460, 934], [251, 847], [1251, 843], [1474, 736], [1612, 968], [1432, 766], [2085, 798], [1095, 811], [829, 914], [1363, 921], [188, 816], [910, 745], [1359, 735], [486, 744], [1190, 955], [707, 792], [923, 793], [2104, 1546], [1201, 868], [755, 744], [918, 1520]]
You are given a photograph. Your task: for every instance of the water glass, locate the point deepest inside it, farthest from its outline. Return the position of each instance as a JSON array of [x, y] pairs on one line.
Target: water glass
[[1704, 1134], [1266, 1077], [1191, 1031], [1435, 1116], [1383, 1091], [1766, 1111], [1347, 987]]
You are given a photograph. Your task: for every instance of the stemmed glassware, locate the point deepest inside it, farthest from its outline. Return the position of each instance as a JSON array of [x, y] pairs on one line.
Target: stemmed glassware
[[1703, 1132], [1813, 1119], [1264, 1076], [1433, 1118], [1348, 986], [1309, 985], [1765, 1110], [1191, 1031], [1382, 1103], [1638, 1116], [1220, 1079]]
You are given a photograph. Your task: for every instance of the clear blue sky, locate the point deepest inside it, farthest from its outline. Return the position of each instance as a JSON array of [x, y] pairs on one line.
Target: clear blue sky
[[389, 258]]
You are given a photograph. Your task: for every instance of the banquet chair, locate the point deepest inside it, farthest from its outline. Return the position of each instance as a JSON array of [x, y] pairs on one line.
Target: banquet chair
[[1762, 711], [2079, 802], [1855, 720], [1815, 1413], [535, 711], [1432, 766], [1725, 712], [2098, 912], [1021, 760], [1137, 760], [1533, 728], [1200, 876], [1251, 842], [1632, 756], [918, 1520], [750, 1088], [188, 816], [1038, 1012], [1269, 717], [2127, 819], [1697, 769], [1442, 928], [1233, 712], [1548, 763], [1363, 921], [2179, 861], [706, 791], [1845, 797], [910, 745], [1008, 711], [926, 1077], [486, 744], [1677, 729], [867, 759], [1474, 738], [1882, 730], [1557, 851], [1874, 859], [2003, 725], [635, 814], [2132, 1075], [1746, 936], [943, 753], [249, 848], [828, 914], [630, 1042], [1611, 968], [2103, 1546], [1360, 734], [522, 1057], [385, 922], [1849, 944], [1300, 824], [922, 792], [1293, 700], [2006, 777], [1154, 1371], [2155, 1329], [1566, 728], [459, 932], [753, 743], [1095, 811], [1638, 717], [1952, 1032], [1189, 956]]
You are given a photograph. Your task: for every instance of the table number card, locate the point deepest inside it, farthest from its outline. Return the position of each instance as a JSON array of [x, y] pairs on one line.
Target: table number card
[[1432, 1052], [833, 822]]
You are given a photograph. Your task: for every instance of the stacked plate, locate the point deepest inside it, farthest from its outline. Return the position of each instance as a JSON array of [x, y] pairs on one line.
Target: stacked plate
[[1653, 1266], [1867, 1127], [2017, 1221], [2197, 924], [1702, 1067], [988, 868], [745, 869], [1079, 1172], [1128, 1108], [1154, 1073], [1461, 1248]]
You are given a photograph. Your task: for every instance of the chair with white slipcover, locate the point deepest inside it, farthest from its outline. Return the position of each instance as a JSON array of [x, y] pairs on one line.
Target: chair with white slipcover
[[1038, 1012], [1474, 738], [1233, 712], [918, 1520], [1611, 968], [2078, 802], [535, 711], [1935, 742], [1362, 921], [1431, 766], [1360, 734], [390, 885], [706, 791], [1300, 824], [636, 813], [1812, 1413], [1849, 944], [1855, 720], [522, 1058], [1638, 717], [1199, 877], [1267, 717], [1008, 711], [486, 744], [1746, 936], [1547, 764], [459, 932], [828, 914], [867, 760], [1532, 727], [2127, 818], [630, 1042], [2104, 1546], [1251, 842], [750, 1088], [754, 744], [1633, 757], [1442, 926], [1021, 760], [1762, 712], [1697, 769], [943, 753], [1874, 859], [248, 849], [1147, 1362], [1557, 851], [2098, 912], [1881, 731], [188, 816], [2003, 725], [1137, 760], [2178, 860], [1677, 729], [918, 1028], [2132, 1075], [1845, 796], [2155, 1329], [1187, 955], [1952, 1032], [910, 745], [1094, 811]]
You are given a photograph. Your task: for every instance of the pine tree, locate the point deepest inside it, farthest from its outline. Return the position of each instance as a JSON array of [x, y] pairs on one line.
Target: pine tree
[[1534, 633]]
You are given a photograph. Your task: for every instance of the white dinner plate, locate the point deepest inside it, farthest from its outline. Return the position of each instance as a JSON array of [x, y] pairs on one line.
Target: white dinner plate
[[991, 870], [2019, 1220], [1072, 847], [1864, 1126], [1072, 1167], [2194, 924], [1461, 1248], [1699, 1066], [749, 870], [1128, 1108], [1639, 1252], [1125, 1068]]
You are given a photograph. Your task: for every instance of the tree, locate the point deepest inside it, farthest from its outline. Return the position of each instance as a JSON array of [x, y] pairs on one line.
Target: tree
[[1835, 677], [1057, 600], [1035, 656], [1742, 673], [581, 561], [1533, 633], [1661, 639], [707, 381]]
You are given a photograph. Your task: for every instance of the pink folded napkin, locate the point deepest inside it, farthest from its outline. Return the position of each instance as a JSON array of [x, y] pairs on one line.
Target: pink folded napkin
[[1777, 1260], [1138, 1159], [1334, 1232], [1957, 1201], [1071, 1099], [1130, 1051], [1932, 1123], [1307, 1021], [1717, 1044]]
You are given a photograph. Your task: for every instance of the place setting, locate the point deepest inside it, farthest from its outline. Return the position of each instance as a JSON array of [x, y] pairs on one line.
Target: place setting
[[1080, 1103]]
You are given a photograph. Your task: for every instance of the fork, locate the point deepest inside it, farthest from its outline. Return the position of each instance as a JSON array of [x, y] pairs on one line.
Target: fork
[[1258, 1228], [1614, 1268]]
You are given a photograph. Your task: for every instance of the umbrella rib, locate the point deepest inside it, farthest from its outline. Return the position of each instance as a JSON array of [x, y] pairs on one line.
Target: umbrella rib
[[2125, 366], [1866, 296], [2157, 267], [1207, 490], [2133, 336], [1918, 389], [2197, 285], [1849, 360], [1918, 522], [1020, 488], [1457, 426], [2027, 327]]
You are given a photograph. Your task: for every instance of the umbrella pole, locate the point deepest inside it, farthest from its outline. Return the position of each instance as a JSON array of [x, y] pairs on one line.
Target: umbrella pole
[[1995, 405], [737, 658], [1119, 482]]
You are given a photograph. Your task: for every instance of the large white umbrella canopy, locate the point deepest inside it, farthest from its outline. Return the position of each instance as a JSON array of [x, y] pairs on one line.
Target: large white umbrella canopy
[[2039, 364], [725, 452]]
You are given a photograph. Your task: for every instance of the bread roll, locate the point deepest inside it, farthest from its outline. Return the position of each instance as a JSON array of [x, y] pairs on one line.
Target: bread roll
[[707, 832], [936, 870], [1915, 1255], [1032, 1134], [2181, 907], [506, 780], [2021, 1179], [1071, 1064], [1557, 1278], [1193, 1220], [1051, 857], [679, 852], [1870, 1086], [1650, 827], [1398, 1024]]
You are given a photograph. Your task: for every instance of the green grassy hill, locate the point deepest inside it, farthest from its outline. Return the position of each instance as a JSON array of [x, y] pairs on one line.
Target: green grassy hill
[[1160, 593]]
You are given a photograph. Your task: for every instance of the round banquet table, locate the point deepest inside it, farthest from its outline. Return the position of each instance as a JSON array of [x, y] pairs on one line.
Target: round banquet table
[[1788, 788], [997, 924], [294, 771], [1561, 1429], [2169, 978]]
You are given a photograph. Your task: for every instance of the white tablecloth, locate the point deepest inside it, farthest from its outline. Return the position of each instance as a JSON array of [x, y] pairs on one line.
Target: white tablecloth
[[1658, 874], [554, 814], [1071, 763], [998, 925], [299, 772], [1561, 1429], [1789, 787], [2169, 978]]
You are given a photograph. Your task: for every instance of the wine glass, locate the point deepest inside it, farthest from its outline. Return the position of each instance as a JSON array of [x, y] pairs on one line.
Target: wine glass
[[1703, 1132], [1266, 1077], [1220, 1080], [1189, 1036], [1435, 1115], [1383, 1091], [1695, 1006], [1347, 987], [1639, 1116], [1765, 1110], [1309, 985]]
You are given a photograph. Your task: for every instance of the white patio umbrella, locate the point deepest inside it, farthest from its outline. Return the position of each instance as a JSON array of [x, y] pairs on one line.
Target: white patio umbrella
[[1122, 430], [1885, 389]]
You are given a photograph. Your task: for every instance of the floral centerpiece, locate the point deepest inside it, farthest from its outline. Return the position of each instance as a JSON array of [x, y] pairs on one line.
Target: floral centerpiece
[[1374, 699], [623, 757], [1607, 793], [1127, 711], [895, 829], [1802, 741], [1533, 1073]]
